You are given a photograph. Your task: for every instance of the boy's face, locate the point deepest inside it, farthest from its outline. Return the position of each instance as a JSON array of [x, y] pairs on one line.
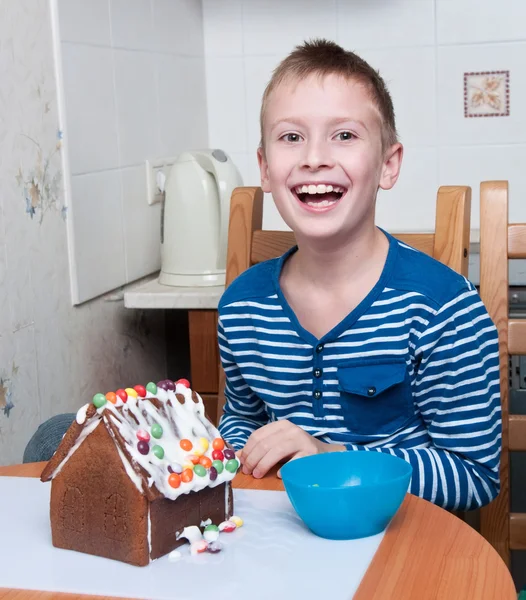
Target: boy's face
[[325, 133]]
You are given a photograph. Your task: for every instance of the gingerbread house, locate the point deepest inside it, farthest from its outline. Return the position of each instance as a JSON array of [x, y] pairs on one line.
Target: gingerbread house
[[134, 469]]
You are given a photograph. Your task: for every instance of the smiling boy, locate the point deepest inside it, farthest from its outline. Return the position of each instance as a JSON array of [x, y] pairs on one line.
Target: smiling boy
[[353, 341]]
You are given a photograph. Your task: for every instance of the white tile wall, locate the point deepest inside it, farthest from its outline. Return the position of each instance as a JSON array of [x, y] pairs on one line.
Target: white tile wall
[[385, 24], [134, 89], [468, 21], [223, 28]]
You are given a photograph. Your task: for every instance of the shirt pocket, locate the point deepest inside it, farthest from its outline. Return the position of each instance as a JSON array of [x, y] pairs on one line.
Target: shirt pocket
[[375, 395]]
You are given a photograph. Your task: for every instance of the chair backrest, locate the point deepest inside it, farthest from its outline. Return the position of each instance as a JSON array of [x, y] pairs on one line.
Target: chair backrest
[[500, 241], [249, 244]]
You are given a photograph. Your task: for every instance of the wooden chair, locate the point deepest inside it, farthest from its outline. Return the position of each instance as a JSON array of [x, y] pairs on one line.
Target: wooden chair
[[248, 244], [500, 241]]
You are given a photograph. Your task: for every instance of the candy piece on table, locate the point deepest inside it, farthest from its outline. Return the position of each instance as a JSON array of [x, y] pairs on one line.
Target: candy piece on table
[[203, 442], [205, 461], [99, 400], [199, 470], [184, 382], [229, 454], [187, 475], [175, 468], [111, 397], [131, 392], [151, 387], [192, 533], [214, 547], [212, 473], [141, 390], [174, 480], [174, 556], [157, 431], [143, 435], [232, 465], [237, 520], [218, 466], [122, 394], [211, 533], [158, 451], [186, 444], [218, 444], [198, 547], [143, 447], [227, 526], [218, 455]]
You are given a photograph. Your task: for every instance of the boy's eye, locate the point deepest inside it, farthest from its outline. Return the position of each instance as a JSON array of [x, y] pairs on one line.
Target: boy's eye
[[291, 137], [345, 136]]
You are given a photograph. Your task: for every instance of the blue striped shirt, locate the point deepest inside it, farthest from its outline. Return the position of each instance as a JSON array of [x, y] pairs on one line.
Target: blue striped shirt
[[413, 371]]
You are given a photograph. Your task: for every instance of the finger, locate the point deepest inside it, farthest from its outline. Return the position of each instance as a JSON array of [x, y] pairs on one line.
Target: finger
[[271, 459], [262, 433], [272, 440]]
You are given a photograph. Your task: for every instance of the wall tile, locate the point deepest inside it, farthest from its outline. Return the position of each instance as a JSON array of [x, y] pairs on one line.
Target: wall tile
[[258, 71], [470, 165], [179, 26], [91, 123], [4, 301], [137, 110], [223, 29], [410, 78], [132, 24], [410, 205], [467, 21], [226, 103], [98, 232], [384, 24], [85, 22], [275, 27], [182, 104], [141, 225], [453, 62]]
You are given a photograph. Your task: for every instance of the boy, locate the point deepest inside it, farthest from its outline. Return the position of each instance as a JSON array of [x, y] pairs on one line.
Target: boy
[[352, 341]]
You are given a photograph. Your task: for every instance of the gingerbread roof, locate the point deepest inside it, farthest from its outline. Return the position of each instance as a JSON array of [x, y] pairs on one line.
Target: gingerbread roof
[[167, 444]]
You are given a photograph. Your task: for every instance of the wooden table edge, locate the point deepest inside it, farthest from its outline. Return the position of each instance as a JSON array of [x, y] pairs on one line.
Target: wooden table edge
[[385, 574]]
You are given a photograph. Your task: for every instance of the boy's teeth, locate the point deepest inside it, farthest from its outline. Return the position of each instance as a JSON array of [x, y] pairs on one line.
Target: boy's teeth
[[320, 203], [321, 188]]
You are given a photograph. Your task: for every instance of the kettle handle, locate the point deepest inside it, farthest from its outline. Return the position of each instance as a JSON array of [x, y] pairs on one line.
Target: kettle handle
[[227, 178]]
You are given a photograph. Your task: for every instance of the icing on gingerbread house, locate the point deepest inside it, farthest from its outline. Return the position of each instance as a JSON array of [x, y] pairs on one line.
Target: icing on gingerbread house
[[134, 469]]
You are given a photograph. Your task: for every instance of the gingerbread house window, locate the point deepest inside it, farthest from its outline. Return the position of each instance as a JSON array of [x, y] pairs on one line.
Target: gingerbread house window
[[115, 518], [73, 510]]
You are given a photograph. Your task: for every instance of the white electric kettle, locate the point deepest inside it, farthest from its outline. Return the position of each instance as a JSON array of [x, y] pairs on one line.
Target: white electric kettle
[[194, 223]]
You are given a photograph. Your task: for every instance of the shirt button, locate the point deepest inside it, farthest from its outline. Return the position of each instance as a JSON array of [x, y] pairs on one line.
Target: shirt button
[[317, 372], [371, 391], [317, 394], [319, 348]]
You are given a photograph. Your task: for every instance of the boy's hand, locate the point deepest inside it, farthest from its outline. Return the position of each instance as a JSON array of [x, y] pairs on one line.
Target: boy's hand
[[277, 441]]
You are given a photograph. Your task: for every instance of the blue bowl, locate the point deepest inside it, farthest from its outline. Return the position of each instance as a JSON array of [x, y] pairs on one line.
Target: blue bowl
[[346, 495]]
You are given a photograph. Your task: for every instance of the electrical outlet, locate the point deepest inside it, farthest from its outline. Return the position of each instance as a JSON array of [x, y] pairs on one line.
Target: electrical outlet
[[153, 168]]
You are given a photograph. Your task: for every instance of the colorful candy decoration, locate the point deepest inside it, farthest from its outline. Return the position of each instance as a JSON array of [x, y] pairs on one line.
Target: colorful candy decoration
[[199, 470], [131, 392], [186, 445], [99, 400], [218, 444], [218, 455], [212, 473], [141, 390], [198, 547], [143, 435], [157, 431], [211, 533], [175, 468], [203, 442], [151, 387], [184, 382], [193, 458], [167, 385], [214, 547], [227, 526], [111, 397], [229, 454], [122, 394], [143, 447], [237, 520], [187, 475], [158, 451], [218, 466], [205, 461], [174, 480], [231, 465]]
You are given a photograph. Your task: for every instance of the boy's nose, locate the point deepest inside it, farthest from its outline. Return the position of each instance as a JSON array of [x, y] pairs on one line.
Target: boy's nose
[[317, 155]]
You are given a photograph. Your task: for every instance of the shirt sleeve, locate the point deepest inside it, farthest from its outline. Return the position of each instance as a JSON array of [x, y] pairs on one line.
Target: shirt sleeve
[[244, 411], [457, 393]]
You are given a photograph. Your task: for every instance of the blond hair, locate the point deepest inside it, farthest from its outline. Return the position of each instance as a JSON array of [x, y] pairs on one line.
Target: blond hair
[[322, 57]]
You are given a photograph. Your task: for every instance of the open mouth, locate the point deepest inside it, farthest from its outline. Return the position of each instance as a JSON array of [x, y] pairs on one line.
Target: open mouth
[[319, 195]]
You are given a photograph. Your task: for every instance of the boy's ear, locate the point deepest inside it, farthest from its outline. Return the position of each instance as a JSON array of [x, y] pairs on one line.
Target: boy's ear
[[391, 166], [263, 169]]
